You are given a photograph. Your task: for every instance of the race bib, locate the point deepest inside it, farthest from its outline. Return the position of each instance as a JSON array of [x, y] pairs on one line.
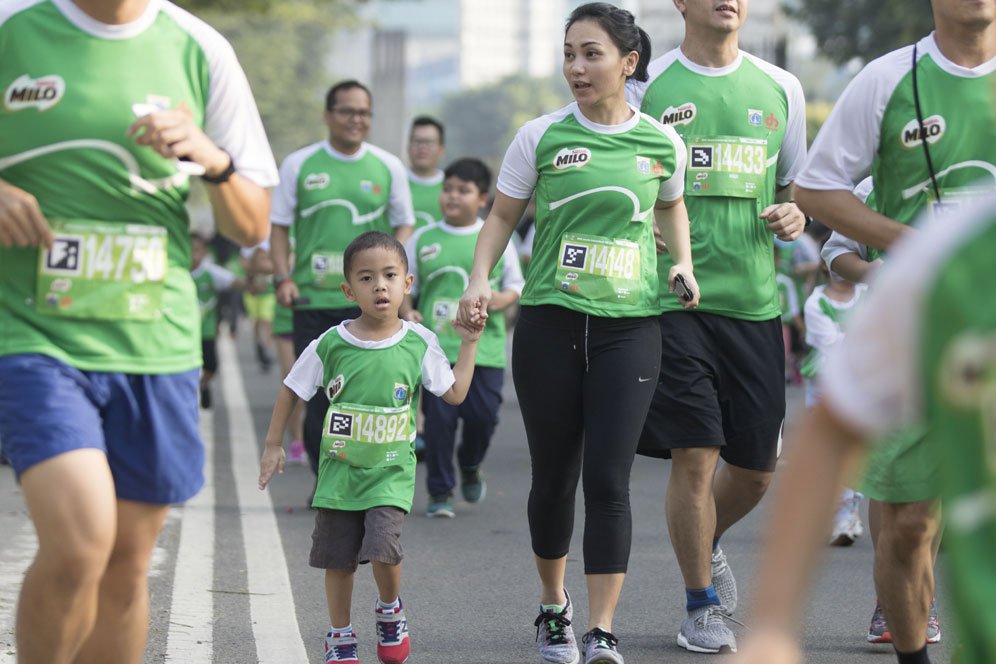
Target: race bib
[[443, 312], [326, 270], [599, 268], [954, 198], [102, 270], [367, 436], [730, 166]]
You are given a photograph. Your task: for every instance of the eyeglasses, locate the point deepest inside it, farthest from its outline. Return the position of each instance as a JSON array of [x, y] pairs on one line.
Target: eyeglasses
[[424, 142], [352, 113]]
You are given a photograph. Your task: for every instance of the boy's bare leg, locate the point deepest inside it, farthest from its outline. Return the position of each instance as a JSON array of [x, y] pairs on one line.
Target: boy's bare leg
[[71, 501], [121, 630], [737, 491], [339, 594], [388, 578]]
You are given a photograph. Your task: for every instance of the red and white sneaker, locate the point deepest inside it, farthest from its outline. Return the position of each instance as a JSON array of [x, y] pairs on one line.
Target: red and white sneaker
[[341, 647], [393, 644]]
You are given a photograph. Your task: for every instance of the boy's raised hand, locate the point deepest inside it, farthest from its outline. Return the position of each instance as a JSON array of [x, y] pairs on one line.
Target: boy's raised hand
[[272, 461], [468, 332]]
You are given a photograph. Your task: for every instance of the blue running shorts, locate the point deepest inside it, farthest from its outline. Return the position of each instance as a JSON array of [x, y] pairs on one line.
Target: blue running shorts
[[148, 425]]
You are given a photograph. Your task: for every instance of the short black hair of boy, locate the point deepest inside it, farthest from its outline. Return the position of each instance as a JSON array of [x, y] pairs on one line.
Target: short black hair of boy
[[429, 121], [470, 169], [344, 85], [372, 240]]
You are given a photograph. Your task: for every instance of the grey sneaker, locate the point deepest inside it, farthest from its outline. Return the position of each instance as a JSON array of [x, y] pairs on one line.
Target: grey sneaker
[[878, 630], [723, 582], [600, 646], [554, 636], [933, 624], [704, 631]]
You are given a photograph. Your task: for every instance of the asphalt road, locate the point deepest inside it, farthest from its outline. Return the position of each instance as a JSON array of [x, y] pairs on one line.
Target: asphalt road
[[231, 583]]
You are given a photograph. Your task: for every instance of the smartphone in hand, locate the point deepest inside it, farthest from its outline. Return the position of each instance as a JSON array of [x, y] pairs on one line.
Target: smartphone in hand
[[681, 289]]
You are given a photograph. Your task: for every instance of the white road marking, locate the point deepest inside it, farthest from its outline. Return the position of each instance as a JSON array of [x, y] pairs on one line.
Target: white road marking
[[271, 603], [191, 636]]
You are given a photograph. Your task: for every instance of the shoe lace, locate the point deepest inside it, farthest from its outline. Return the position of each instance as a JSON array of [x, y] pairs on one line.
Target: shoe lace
[[556, 626], [342, 651], [716, 615], [603, 639], [388, 630]]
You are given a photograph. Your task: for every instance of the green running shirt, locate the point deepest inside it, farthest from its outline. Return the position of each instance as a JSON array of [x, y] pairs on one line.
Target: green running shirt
[[440, 257], [373, 393], [425, 198], [595, 187], [873, 130], [210, 279], [923, 343], [114, 293], [329, 198], [745, 128]]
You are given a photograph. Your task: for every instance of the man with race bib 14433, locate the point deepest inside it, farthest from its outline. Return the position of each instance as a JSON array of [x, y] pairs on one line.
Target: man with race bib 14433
[[721, 391]]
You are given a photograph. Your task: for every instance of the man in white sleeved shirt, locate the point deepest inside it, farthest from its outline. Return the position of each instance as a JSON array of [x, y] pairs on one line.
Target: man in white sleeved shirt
[[922, 121], [330, 193], [919, 349]]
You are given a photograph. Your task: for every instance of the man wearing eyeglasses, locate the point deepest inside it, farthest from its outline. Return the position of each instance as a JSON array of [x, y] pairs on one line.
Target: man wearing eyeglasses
[[331, 192], [425, 150]]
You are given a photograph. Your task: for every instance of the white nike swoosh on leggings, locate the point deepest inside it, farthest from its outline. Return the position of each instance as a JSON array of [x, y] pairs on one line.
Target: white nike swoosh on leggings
[[643, 380]]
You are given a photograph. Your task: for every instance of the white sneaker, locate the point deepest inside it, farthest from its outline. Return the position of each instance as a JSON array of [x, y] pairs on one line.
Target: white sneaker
[[847, 527]]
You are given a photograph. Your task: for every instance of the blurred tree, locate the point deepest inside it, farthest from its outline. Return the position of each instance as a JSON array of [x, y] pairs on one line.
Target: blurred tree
[[283, 47], [481, 122], [865, 29]]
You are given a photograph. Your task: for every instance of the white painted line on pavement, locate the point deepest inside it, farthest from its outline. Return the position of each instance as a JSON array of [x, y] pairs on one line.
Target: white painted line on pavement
[[271, 602], [191, 616], [15, 559]]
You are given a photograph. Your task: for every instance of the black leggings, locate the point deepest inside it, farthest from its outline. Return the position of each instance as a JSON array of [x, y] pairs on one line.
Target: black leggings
[[584, 385]]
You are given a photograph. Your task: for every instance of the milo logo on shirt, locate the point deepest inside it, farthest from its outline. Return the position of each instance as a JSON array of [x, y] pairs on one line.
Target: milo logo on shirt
[[572, 157], [316, 181], [42, 93], [968, 370], [681, 115], [933, 129]]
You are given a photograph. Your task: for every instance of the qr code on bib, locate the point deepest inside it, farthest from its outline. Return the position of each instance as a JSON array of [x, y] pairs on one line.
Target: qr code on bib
[[341, 424], [575, 256], [701, 156]]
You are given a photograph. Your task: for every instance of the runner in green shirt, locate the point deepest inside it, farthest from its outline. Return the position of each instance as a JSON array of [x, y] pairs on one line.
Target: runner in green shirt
[[441, 257], [425, 151], [371, 369], [109, 108], [722, 385], [919, 349], [331, 192], [587, 344], [929, 146]]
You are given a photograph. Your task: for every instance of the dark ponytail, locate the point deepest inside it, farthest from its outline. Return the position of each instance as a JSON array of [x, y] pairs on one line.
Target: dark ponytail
[[621, 27]]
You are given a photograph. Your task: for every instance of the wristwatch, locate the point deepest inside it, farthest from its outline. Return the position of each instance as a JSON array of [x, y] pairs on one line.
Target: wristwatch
[[224, 176]]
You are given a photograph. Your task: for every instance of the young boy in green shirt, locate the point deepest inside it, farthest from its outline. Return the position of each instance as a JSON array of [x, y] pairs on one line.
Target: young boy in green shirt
[[370, 368], [441, 256]]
